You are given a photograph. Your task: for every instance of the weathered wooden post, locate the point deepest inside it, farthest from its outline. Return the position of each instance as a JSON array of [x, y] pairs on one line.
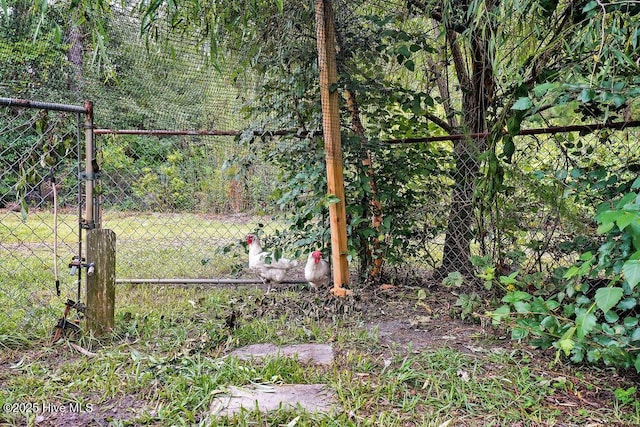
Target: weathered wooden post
[[325, 31], [101, 281]]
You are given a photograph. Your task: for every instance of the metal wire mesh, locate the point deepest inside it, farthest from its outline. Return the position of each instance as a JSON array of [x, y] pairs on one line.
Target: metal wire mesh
[[181, 204], [186, 214], [38, 149]]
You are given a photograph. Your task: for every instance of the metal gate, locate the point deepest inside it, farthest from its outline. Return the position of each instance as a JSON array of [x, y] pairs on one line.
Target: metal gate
[[47, 201]]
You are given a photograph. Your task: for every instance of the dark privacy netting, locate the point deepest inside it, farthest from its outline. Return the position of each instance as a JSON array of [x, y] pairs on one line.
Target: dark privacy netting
[[181, 203]]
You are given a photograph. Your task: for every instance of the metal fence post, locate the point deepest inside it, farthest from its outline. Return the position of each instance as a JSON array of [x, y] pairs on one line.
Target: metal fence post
[[92, 217]]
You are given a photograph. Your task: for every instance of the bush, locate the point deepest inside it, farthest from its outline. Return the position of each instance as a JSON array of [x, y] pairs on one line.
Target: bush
[[594, 316]]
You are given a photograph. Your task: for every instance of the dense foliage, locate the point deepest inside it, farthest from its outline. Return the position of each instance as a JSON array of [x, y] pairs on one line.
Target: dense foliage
[[484, 70]]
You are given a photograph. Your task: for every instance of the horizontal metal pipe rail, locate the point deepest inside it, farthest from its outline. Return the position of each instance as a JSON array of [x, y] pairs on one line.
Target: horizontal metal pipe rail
[[179, 281], [24, 103]]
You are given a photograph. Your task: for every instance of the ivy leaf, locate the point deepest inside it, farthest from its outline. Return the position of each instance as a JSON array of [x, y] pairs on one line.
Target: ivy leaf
[[522, 104], [607, 298], [631, 271]]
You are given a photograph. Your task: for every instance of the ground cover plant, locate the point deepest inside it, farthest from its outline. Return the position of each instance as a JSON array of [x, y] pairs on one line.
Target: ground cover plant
[[400, 359]]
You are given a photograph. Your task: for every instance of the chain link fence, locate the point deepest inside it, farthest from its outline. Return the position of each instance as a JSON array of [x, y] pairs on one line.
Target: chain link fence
[[182, 205], [40, 155]]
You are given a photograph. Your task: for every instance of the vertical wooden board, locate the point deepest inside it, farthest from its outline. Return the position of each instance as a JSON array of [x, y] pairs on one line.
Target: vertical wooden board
[[101, 284], [333, 146]]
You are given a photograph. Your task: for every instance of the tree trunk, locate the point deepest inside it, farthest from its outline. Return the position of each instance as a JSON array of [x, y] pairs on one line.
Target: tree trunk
[[373, 254], [477, 89], [457, 245], [75, 55]]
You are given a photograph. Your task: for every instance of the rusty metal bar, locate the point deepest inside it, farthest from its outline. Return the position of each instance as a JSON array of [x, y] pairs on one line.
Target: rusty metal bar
[[167, 132], [537, 131]]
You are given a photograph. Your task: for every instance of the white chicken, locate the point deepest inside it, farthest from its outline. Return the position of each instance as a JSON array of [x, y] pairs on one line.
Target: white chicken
[[275, 271], [317, 271]]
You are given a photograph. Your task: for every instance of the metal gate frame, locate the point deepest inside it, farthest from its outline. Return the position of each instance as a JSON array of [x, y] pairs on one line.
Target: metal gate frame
[[91, 218]]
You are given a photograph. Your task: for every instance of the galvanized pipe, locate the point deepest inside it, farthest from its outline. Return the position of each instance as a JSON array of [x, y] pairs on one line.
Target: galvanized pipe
[[88, 166], [178, 281], [24, 103]]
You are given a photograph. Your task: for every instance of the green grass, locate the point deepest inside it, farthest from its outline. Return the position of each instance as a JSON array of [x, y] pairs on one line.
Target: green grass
[[148, 246], [164, 365]]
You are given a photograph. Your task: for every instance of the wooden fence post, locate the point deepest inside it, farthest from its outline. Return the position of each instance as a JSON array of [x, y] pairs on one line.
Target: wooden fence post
[[333, 146], [101, 281]]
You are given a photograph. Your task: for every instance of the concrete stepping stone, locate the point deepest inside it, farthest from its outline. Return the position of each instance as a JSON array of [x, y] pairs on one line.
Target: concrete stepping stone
[[313, 398], [318, 354]]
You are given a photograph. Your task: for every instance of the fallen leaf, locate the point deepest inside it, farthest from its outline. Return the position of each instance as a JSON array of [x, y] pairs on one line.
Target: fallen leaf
[[82, 350], [17, 365], [293, 422], [464, 375]]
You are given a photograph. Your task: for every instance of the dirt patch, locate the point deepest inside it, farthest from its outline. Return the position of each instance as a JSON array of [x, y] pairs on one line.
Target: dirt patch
[[123, 408]]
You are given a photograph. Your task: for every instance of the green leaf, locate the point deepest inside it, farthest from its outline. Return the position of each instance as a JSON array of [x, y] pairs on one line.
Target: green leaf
[[410, 65], [630, 322], [608, 216], [607, 298], [518, 333], [605, 228], [508, 149], [611, 316], [404, 51], [625, 219], [566, 345], [627, 304], [619, 100], [3, 4], [522, 307], [550, 323], [522, 104], [587, 95], [590, 6], [499, 314], [637, 363], [585, 322], [516, 296], [631, 271], [280, 5], [541, 89]]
